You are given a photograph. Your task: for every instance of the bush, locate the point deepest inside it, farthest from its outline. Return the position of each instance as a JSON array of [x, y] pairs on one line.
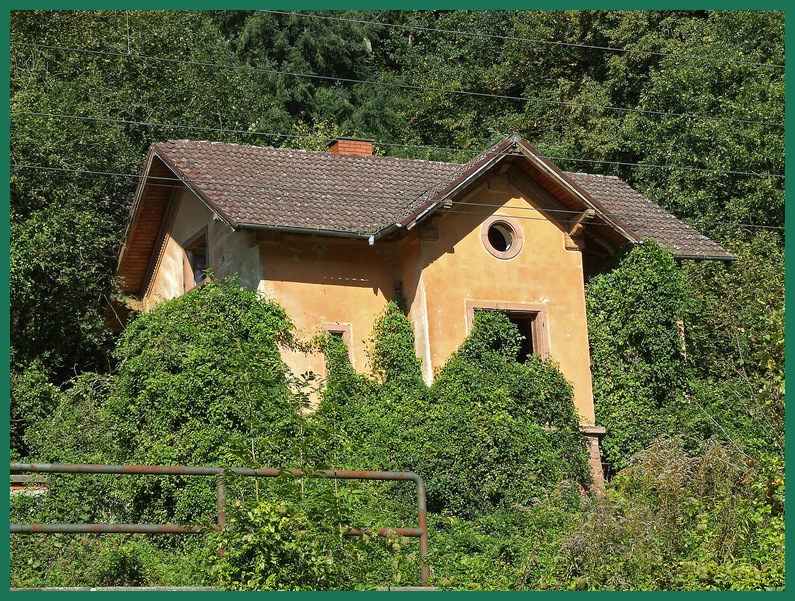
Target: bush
[[297, 541], [200, 381], [489, 433], [496, 441], [67, 560], [736, 343], [679, 521], [508, 549], [33, 397], [640, 372], [274, 545], [650, 381]]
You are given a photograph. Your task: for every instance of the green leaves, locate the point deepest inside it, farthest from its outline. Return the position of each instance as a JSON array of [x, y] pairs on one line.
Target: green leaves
[[279, 546], [490, 432], [66, 218], [736, 341], [638, 360], [677, 520], [200, 380]]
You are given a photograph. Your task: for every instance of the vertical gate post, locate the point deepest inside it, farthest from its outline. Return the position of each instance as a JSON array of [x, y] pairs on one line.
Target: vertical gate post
[[220, 486], [422, 516]]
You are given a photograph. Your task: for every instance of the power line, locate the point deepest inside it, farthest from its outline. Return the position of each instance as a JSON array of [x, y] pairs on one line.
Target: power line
[[531, 40], [389, 144], [674, 167], [401, 86], [617, 216], [176, 182]]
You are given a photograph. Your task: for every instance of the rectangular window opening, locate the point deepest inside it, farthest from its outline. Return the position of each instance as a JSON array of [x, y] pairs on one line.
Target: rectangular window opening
[[344, 333], [196, 260], [530, 320], [525, 323], [197, 257]]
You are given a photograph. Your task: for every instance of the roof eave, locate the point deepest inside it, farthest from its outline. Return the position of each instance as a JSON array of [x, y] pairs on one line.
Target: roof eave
[[139, 190], [558, 175], [370, 236], [413, 219]]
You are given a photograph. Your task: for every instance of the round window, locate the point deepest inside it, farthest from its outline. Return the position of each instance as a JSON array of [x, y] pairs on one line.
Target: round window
[[502, 237]]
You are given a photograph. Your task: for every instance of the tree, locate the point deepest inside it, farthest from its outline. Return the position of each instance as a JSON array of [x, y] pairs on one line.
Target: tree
[[736, 342], [314, 69], [86, 103]]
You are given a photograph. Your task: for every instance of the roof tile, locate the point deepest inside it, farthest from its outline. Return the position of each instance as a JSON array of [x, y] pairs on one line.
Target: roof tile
[[647, 219], [357, 194], [279, 187]]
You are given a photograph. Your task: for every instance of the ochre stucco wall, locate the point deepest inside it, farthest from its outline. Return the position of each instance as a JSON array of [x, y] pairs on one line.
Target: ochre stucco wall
[[458, 268], [230, 252], [324, 280]]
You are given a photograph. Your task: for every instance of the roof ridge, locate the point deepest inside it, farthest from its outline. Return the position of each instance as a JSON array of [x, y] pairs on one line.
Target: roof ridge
[[594, 175], [313, 152]]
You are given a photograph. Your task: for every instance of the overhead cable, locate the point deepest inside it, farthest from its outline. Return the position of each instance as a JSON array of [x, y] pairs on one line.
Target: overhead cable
[[389, 144], [349, 197], [401, 86]]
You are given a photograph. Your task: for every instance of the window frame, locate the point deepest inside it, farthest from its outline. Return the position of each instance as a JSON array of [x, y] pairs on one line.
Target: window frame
[[535, 312], [517, 239], [188, 271], [344, 331]]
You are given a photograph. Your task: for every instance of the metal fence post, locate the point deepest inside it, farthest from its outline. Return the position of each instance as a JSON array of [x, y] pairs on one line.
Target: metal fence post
[[220, 486], [422, 516]]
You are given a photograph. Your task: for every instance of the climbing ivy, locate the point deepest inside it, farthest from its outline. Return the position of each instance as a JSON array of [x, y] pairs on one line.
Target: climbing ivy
[[496, 441], [639, 366], [488, 433], [200, 382]]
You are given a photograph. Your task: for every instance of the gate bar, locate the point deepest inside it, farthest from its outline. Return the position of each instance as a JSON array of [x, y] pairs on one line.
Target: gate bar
[[187, 470]]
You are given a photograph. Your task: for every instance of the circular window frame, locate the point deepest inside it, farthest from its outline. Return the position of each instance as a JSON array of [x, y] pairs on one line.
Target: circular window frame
[[517, 240]]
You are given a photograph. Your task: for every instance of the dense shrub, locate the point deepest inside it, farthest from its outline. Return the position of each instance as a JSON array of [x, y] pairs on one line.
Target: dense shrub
[[640, 370], [200, 382], [496, 441], [90, 560], [274, 545], [32, 398], [297, 541], [507, 549], [489, 433], [694, 350], [673, 520], [736, 342]]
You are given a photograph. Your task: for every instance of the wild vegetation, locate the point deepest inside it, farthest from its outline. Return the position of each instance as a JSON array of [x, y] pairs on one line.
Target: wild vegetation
[[687, 358], [496, 441]]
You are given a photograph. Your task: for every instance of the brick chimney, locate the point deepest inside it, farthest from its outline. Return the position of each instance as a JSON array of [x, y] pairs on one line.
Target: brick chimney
[[351, 146]]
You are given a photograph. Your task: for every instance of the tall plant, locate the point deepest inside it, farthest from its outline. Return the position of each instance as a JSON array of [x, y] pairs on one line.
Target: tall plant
[[488, 433], [638, 358]]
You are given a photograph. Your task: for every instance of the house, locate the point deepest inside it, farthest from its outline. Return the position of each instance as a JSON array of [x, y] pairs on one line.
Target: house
[[333, 236]]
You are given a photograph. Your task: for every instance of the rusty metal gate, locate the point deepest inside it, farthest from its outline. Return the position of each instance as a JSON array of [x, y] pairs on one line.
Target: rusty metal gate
[[219, 472]]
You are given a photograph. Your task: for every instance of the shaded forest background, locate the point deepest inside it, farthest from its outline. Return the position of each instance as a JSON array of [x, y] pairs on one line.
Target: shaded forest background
[[685, 106]]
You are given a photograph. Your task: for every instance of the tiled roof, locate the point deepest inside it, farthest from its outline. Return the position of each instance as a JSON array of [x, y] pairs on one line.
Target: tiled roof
[[359, 195], [280, 187], [647, 219]]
